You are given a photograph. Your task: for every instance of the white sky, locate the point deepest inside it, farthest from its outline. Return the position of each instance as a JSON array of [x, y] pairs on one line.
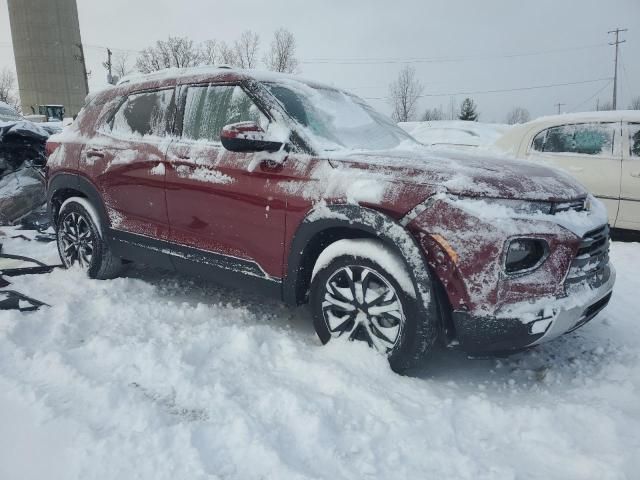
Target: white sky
[[477, 35]]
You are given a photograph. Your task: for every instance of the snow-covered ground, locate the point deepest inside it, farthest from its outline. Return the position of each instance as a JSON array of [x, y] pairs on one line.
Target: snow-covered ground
[[160, 376], [455, 133]]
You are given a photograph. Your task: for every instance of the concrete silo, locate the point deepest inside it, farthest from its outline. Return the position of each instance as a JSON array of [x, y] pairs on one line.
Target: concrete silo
[[48, 52]]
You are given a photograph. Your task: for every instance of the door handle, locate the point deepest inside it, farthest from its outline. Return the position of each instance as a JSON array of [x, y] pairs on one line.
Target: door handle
[[271, 166], [184, 157], [93, 153]]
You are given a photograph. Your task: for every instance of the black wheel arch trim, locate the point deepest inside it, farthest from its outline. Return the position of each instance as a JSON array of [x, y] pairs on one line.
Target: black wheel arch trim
[[70, 181], [360, 220]]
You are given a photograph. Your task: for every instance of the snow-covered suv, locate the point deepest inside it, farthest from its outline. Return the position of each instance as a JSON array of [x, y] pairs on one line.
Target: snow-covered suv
[[304, 192]]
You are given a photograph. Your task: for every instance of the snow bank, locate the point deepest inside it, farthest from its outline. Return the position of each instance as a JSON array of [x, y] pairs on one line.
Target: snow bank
[[158, 376]]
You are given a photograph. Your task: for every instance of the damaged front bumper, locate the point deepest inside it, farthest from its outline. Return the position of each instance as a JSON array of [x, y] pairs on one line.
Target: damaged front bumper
[[517, 327]]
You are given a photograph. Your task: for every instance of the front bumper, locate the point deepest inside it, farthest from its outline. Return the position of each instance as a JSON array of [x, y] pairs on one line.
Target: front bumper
[[522, 326]]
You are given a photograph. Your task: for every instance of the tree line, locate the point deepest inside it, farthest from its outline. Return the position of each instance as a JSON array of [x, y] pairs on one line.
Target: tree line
[[182, 52], [406, 90]]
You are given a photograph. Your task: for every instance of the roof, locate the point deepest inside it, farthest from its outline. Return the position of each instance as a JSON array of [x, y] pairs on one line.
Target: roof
[[207, 72], [602, 115]]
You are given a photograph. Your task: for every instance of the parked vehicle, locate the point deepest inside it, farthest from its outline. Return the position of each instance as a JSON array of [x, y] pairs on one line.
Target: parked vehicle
[[304, 192], [8, 113], [601, 149], [459, 134], [22, 158]]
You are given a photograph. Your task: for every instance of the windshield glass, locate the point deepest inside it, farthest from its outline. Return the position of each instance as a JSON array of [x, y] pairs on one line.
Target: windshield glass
[[337, 120]]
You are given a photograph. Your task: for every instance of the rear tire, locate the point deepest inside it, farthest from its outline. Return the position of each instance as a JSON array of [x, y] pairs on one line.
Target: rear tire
[[372, 307], [81, 244]]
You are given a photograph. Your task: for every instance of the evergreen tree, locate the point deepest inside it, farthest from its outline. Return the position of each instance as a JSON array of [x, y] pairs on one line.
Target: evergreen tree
[[468, 110]]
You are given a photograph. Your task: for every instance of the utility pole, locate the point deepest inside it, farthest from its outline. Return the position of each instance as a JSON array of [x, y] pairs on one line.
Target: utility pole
[[108, 65], [617, 42], [559, 105]]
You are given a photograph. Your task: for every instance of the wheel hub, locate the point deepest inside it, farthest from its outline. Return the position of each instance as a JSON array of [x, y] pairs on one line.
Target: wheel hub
[[361, 304]]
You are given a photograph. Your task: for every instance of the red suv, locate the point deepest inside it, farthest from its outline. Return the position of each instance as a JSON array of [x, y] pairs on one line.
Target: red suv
[[304, 192]]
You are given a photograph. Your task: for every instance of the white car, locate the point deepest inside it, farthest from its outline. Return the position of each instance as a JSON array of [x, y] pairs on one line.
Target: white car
[[601, 149]]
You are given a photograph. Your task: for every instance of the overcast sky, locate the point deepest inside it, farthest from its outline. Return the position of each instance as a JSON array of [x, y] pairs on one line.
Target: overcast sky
[[455, 46]]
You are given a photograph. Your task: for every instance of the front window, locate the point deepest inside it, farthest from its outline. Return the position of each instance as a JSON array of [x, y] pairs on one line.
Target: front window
[[634, 139], [337, 120], [581, 139], [209, 108]]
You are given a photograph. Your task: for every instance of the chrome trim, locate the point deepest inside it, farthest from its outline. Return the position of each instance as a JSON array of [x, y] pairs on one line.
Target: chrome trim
[[168, 251]]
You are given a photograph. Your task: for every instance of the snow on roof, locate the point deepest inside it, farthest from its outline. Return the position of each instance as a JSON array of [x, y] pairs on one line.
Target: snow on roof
[[601, 115], [454, 132], [213, 71]]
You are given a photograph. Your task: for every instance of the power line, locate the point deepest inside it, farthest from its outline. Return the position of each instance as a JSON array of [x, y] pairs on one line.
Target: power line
[[405, 60], [390, 60], [501, 90], [600, 90]]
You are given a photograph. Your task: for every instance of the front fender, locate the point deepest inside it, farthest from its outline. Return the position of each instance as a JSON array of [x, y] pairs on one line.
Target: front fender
[[357, 221]]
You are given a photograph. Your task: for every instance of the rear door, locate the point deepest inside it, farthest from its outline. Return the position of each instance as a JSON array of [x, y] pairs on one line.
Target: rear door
[[126, 158], [629, 216], [590, 152]]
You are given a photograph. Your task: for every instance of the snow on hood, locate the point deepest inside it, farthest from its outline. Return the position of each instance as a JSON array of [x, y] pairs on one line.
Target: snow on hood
[[474, 174]]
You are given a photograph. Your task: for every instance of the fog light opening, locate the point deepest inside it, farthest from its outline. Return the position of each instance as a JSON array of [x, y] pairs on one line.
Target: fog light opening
[[524, 255], [540, 326]]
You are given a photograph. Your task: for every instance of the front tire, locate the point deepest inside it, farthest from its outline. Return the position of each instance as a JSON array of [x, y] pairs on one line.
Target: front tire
[[80, 242], [356, 298]]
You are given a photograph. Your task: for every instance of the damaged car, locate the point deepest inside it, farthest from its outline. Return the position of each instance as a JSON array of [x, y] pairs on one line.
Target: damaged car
[[304, 192], [22, 158]]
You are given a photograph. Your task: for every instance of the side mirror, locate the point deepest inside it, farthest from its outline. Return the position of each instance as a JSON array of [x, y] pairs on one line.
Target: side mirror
[[247, 137]]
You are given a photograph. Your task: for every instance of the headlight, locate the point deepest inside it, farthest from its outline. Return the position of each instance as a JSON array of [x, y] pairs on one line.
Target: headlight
[[525, 254], [522, 206]]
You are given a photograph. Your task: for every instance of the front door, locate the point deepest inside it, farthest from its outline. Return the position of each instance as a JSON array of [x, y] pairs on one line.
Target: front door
[[629, 216], [127, 159], [590, 152], [223, 202]]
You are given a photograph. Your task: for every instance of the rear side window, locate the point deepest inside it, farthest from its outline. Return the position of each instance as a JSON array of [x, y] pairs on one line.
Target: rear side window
[[582, 139], [209, 108], [634, 139], [146, 113]]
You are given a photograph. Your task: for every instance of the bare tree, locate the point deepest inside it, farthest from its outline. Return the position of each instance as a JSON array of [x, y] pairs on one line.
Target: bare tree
[[404, 94], [607, 105], [518, 115], [635, 103], [8, 86], [281, 57], [246, 49], [179, 52], [121, 65], [227, 54], [433, 114], [209, 52]]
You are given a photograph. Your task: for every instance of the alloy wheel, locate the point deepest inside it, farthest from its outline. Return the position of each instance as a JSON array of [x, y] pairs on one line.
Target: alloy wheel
[[77, 240], [360, 304]]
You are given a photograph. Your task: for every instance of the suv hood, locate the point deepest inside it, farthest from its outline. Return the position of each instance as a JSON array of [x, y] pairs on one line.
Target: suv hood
[[475, 175]]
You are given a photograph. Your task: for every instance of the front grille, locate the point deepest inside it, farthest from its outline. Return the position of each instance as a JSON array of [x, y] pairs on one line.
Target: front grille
[[592, 256]]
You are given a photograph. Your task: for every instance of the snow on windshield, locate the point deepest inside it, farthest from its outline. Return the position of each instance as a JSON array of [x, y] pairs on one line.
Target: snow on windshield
[[336, 120]]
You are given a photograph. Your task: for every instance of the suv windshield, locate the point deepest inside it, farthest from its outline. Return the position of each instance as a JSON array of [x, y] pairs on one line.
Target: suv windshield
[[337, 120]]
